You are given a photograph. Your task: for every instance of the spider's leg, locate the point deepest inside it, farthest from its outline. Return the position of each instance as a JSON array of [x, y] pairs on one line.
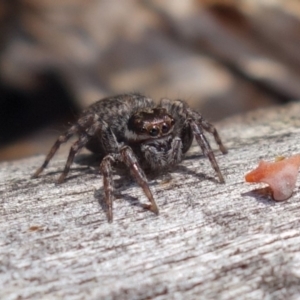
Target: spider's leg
[[106, 170], [205, 146], [129, 158], [211, 129], [180, 109], [82, 123], [62, 139], [76, 147], [111, 146]]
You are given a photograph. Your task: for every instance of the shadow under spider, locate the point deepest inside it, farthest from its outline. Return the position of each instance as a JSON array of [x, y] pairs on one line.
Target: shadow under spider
[[92, 162], [89, 159], [133, 201], [70, 176], [201, 176]]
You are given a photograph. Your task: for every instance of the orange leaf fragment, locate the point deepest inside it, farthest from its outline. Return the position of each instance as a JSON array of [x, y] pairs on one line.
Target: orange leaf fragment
[[280, 175]]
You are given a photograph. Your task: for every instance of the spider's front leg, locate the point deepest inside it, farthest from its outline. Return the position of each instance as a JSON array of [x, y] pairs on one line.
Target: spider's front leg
[[129, 158], [211, 129], [181, 110], [206, 149], [198, 124]]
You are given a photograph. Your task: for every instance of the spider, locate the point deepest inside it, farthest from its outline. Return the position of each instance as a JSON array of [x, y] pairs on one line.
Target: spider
[[132, 130]]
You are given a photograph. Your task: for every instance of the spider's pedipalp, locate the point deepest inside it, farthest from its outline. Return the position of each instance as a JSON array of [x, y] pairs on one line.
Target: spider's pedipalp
[[169, 159]]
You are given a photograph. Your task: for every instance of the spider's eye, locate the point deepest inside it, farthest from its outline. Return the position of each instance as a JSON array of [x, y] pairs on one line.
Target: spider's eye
[[143, 130], [154, 131], [165, 128]]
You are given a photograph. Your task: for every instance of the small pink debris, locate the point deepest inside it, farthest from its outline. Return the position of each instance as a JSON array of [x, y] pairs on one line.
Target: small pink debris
[[280, 175]]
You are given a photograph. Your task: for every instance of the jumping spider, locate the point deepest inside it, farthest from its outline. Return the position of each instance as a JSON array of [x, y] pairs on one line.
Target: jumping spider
[[132, 130]]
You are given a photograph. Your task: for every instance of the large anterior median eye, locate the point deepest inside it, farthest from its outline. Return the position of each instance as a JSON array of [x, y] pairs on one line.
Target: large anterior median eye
[[154, 131]]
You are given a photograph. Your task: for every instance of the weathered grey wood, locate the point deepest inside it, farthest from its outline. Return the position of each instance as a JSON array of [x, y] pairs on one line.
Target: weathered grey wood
[[209, 241]]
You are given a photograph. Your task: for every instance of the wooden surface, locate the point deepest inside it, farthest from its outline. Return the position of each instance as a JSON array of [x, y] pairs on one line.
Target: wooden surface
[[210, 241]]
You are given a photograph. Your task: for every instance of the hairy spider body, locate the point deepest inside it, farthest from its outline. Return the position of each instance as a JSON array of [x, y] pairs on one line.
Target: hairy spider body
[[133, 130]]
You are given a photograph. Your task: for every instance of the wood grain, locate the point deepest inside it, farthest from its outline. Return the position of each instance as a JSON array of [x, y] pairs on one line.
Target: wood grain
[[209, 241]]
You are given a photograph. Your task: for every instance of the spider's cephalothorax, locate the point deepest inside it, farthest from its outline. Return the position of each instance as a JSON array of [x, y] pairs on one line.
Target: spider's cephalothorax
[[132, 130]]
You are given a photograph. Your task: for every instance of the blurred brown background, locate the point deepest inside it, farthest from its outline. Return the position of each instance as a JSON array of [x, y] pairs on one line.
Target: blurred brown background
[[224, 57]]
